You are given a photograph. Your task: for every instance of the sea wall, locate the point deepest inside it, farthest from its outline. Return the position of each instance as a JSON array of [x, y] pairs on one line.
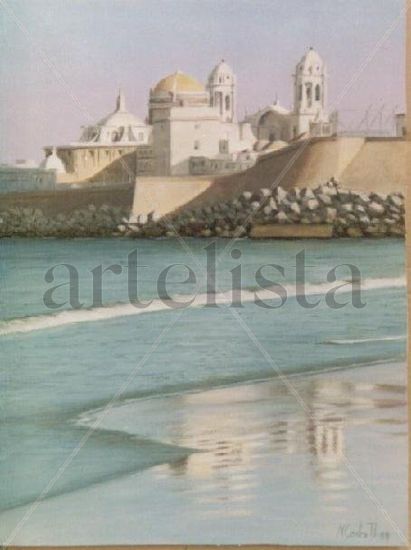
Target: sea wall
[[343, 212], [360, 164], [64, 200], [328, 210], [92, 211], [162, 195]]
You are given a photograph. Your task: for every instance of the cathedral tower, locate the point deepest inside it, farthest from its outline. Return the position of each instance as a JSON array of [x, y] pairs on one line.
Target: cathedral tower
[[310, 91], [222, 88]]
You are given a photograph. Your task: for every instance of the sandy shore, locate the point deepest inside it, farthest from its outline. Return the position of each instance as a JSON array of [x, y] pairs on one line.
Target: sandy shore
[[261, 459]]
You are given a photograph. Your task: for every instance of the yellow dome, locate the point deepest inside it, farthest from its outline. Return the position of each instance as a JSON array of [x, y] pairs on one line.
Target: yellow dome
[[179, 82]]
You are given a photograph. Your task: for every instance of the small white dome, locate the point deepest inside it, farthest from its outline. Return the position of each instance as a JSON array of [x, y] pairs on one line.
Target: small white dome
[[311, 62], [119, 126], [221, 74], [53, 162]]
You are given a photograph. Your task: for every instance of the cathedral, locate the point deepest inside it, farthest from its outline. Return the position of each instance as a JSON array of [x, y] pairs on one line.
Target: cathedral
[[192, 129]]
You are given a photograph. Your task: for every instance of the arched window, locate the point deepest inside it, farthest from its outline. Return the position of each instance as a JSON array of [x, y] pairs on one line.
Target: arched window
[[300, 92], [227, 102], [317, 93]]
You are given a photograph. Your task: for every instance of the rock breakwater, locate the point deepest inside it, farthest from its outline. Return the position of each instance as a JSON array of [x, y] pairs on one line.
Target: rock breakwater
[[349, 213]]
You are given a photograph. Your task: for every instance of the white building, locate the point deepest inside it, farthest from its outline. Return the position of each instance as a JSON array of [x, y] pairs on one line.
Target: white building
[[193, 129], [309, 116], [119, 127], [190, 121]]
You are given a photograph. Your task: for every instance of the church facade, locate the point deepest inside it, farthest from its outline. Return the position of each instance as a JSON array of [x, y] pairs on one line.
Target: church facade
[[192, 128]]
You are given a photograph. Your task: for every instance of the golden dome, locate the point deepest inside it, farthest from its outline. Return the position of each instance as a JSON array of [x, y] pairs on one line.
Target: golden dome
[[179, 83]]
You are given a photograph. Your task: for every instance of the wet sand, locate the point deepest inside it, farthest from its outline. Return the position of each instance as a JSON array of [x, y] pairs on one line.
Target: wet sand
[[325, 464]]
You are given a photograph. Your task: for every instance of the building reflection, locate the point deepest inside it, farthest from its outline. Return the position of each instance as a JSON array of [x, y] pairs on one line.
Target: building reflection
[[245, 433]]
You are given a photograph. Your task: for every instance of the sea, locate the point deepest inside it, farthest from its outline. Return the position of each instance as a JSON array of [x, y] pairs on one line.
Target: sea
[[203, 391]]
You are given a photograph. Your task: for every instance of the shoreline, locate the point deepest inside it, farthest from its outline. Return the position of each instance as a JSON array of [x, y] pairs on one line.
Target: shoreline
[[147, 494], [324, 212]]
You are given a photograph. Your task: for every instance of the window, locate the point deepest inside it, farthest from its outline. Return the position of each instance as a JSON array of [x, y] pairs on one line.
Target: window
[[223, 146], [317, 93], [196, 145], [140, 136], [227, 102], [309, 92], [300, 92]]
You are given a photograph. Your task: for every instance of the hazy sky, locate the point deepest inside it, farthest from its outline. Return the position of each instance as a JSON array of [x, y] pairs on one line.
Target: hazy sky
[[62, 61]]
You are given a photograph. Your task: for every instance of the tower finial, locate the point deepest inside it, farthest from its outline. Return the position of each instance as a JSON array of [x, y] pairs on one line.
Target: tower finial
[[121, 101]]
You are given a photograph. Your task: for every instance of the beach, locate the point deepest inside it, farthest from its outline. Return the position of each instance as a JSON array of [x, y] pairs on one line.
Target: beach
[[297, 435]]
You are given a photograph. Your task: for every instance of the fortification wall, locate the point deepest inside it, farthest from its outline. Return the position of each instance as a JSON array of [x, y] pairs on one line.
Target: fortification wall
[[162, 195], [65, 201], [370, 165]]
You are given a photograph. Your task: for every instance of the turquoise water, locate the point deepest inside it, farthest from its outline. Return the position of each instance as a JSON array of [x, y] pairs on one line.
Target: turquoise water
[[57, 378]]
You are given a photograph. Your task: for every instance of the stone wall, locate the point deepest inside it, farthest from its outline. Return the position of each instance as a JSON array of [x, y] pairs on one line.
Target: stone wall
[[327, 210], [348, 213], [26, 180], [91, 221], [64, 201]]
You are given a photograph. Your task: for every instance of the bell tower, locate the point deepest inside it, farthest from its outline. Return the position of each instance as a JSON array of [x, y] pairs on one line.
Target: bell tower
[[310, 91], [222, 87]]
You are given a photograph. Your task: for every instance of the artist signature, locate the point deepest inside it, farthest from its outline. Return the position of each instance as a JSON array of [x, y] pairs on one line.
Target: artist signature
[[362, 530]]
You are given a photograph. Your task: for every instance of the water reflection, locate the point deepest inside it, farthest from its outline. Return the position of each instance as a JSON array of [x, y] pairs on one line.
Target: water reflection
[[252, 435]]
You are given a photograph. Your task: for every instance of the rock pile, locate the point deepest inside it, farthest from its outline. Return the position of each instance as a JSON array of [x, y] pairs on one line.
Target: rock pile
[[352, 214], [87, 222]]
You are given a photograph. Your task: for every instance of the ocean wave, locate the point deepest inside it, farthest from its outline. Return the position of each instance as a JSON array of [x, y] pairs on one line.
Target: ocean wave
[[71, 317], [365, 340]]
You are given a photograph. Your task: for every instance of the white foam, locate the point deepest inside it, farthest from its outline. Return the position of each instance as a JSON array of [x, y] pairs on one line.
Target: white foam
[[71, 317], [366, 340]]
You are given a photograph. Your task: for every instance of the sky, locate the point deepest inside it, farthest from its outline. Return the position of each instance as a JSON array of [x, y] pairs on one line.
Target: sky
[[63, 61]]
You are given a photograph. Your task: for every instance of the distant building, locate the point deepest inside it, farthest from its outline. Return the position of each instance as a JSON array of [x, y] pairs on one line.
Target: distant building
[[309, 116], [193, 129], [189, 120], [400, 125], [115, 136], [25, 176]]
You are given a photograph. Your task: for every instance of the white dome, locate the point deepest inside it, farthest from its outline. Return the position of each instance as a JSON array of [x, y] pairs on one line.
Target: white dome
[[118, 126], [311, 62], [277, 108], [221, 74], [53, 162], [121, 118]]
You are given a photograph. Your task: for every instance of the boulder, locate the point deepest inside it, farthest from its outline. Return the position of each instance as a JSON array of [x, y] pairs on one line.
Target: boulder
[[265, 193], [376, 209], [325, 199], [273, 204], [396, 199], [330, 215], [280, 193], [308, 193], [347, 207], [282, 217], [295, 207], [312, 203]]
